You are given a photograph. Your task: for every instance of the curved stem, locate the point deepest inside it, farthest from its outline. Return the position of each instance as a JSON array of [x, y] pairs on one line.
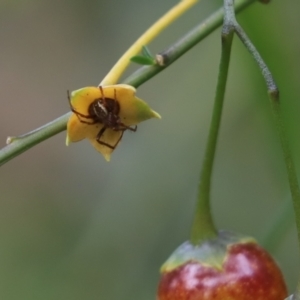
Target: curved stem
[[277, 227], [273, 93], [270, 82], [118, 69], [203, 226], [143, 74]]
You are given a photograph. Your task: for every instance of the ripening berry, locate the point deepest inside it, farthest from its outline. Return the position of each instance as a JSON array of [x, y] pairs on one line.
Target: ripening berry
[[229, 267]]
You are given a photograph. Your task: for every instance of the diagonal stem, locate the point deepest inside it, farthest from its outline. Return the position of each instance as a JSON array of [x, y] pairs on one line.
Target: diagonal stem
[[184, 44], [24, 142], [118, 69], [270, 82]]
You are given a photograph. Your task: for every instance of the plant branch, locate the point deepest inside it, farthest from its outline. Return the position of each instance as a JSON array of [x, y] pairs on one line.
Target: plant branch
[[203, 226], [273, 93], [277, 227], [118, 69], [28, 140], [184, 44]]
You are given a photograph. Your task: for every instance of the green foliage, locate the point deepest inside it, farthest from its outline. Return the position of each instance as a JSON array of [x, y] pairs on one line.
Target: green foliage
[[145, 59]]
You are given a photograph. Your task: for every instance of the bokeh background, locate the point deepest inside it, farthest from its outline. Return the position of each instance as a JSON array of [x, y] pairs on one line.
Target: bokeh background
[[73, 226]]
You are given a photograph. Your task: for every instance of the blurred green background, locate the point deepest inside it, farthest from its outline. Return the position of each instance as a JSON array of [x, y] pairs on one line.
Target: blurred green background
[[73, 226]]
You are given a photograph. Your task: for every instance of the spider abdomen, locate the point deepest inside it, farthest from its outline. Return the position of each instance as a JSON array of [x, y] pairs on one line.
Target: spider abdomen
[[105, 111]]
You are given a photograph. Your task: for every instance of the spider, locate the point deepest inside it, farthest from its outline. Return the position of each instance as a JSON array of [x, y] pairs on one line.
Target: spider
[[104, 111]]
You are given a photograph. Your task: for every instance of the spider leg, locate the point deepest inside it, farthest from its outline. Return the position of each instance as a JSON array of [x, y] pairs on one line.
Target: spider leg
[[115, 94], [79, 116], [119, 139], [99, 135], [124, 127], [89, 123], [102, 93], [132, 128], [78, 113]]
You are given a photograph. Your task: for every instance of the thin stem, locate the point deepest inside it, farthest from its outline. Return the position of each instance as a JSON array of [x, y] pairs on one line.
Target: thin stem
[[278, 226], [30, 139], [273, 93], [270, 82], [184, 44], [291, 169], [118, 69], [297, 293], [18, 145], [203, 226]]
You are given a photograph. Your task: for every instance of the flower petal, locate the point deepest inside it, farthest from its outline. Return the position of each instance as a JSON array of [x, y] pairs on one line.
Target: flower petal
[[77, 131], [135, 110], [132, 111], [82, 98]]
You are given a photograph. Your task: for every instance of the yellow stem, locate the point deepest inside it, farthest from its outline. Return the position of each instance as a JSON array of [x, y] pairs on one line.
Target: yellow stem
[[118, 69]]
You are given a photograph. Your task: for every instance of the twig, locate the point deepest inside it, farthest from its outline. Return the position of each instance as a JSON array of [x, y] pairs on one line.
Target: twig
[[203, 226], [273, 93], [30, 139]]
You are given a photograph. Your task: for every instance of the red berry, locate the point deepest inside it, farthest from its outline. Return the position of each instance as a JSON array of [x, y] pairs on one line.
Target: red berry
[[246, 272]]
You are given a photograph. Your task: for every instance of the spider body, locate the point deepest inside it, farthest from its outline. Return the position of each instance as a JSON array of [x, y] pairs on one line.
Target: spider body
[[104, 111]]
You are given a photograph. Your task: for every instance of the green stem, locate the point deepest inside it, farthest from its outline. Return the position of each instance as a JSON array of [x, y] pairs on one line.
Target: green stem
[[297, 293], [291, 169], [122, 64], [28, 140], [273, 93], [184, 44], [203, 226], [270, 82], [277, 227], [18, 145]]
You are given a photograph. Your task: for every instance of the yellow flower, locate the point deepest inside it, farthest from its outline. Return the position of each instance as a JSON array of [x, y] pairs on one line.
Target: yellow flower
[[102, 114]]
